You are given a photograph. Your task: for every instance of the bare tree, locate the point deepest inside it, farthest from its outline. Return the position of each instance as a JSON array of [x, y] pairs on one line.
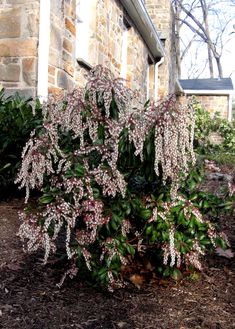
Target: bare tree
[[207, 23]]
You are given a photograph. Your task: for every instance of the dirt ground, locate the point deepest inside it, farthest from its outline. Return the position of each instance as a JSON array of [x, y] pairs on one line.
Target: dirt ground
[[30, 299]]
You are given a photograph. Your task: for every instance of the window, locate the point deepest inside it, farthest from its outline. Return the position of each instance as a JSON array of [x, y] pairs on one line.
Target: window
[[83, 31]]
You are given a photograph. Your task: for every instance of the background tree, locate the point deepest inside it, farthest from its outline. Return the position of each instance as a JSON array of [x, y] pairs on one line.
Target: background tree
[[205, 22]]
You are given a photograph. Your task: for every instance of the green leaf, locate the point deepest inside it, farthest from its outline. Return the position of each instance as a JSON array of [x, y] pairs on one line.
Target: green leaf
[[145, 213], [130, 249], [5, 167], [181, 218], [149, 229], [192, 184], [96, 192], [79, 170], [113, 225], [167, 272], [176, 275], [45, 199], [154, 236]]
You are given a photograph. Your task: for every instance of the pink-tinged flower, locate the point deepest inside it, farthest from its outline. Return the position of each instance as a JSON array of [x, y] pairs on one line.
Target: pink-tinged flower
[[231, 188], [87, 120]]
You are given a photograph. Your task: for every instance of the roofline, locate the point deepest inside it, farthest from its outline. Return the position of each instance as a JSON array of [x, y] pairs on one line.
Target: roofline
[[139, 15], [209, 92]]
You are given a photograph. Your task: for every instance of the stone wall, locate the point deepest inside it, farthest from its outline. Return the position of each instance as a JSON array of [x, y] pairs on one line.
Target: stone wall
[[110, 23], [161, 13], [212, 103], [105, 45], [215, 103], [19, 28], [18, 45], [62, 60]]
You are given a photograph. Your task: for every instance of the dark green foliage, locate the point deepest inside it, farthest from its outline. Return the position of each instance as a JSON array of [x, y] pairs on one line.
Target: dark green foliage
[[16, 123], [112, 215], [206, 125]]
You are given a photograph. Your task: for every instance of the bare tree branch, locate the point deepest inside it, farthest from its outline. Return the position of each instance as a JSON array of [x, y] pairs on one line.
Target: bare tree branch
[[189, 15]]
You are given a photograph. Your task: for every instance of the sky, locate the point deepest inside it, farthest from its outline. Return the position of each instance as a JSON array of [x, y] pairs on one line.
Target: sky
[[194, 63], [228, 59]]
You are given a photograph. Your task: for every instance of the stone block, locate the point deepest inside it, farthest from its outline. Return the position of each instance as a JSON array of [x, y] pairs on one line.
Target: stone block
[[14, 48], [66, 57], [10, 60], [32, 24], [10, 73], [29, 71], [63, 81], [56, 38], [7, 85], [54, 58], [69, 69], [51, 70], [67, 45], [10, 23], [51, 80], [26, 92], [57, 92], [70, 26]]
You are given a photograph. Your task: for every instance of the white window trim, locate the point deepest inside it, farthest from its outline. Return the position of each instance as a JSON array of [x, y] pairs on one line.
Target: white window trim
[[43, 49], [83, 18]]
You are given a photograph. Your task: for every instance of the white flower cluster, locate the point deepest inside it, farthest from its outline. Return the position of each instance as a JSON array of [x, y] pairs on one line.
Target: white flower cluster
[[110, 249], [87, 118], [170, 251], [92, 214], [173, 141], [193, 256], [211, 233]]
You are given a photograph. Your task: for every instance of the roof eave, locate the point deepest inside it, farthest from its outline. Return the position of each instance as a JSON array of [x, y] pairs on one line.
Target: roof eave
[[208, 92], [138, 14]]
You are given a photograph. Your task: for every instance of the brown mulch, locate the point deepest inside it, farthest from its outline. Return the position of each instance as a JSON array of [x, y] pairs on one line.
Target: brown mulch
[[30, 299]]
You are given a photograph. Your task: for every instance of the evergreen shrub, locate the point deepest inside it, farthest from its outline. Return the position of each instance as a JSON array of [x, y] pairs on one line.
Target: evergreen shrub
[[110, 170]]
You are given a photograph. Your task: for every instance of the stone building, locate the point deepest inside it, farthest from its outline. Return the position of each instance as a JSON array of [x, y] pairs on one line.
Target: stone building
[[215, 95], [47, 46]]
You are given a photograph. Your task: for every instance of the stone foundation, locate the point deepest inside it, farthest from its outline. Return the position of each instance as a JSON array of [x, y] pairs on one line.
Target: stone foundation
[[19, 21]]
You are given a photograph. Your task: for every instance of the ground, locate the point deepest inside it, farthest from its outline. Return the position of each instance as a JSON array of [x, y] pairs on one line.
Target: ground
[[30, 299]]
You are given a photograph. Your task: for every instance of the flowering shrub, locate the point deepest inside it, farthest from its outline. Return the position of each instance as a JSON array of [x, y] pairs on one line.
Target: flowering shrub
[[109, 170]]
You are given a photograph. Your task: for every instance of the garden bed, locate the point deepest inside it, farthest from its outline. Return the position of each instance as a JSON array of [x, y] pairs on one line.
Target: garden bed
[[29, 297]]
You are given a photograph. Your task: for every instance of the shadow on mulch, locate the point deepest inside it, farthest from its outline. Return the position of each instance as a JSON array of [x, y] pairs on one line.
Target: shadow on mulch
[[31, 299]]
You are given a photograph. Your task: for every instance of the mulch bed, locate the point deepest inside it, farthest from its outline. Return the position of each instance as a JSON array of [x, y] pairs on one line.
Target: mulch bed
[[30, 298]]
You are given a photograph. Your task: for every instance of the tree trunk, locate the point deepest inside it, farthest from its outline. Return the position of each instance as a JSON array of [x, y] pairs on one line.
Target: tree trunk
[[176, 19], [201, 29], [207, 30]]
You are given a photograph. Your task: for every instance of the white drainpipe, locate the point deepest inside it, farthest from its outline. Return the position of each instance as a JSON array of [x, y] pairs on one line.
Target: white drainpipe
[[43, 48], [156, 78]]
